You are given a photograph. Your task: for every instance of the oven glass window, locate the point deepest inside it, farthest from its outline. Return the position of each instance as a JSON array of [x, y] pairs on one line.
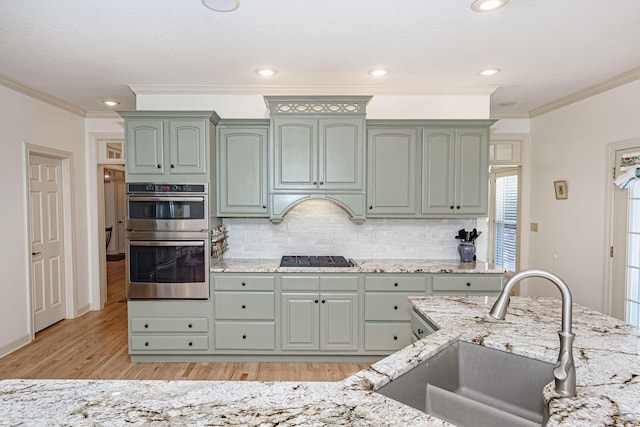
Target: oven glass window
[[167, 264], [166, 210]]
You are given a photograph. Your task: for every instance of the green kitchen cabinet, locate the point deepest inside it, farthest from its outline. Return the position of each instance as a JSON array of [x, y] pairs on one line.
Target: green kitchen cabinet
[[392, 163], [314, 154], [242, 168], [455, 171], [319, 313], [171, 146]]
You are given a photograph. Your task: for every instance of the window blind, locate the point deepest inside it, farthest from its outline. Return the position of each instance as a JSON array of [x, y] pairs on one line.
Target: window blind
[[506, 216]]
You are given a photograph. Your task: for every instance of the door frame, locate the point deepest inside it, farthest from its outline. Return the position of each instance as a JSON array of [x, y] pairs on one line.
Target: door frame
[[69, 287], [612, 147]]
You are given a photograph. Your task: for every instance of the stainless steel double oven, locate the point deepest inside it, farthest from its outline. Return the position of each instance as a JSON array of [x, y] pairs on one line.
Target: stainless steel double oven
[[168, 243]]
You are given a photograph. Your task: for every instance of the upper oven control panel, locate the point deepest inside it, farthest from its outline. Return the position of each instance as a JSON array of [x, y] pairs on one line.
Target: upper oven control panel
[[166, 188]]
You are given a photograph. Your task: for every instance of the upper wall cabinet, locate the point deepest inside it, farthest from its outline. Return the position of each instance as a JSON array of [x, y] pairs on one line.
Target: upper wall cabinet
[[172, 146], [392, 158], [455, 169], [445, 174], [242, 168], [317, 151]]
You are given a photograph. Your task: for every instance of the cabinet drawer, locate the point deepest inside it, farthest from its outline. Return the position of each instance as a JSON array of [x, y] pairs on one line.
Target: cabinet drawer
[[386, 336], [169, 324], [467, 283], [300, 283], [394, 283], [244, 305], [338, 283], [243, 283], [420, 326], [169, 342], [245, 336], [387, 306]]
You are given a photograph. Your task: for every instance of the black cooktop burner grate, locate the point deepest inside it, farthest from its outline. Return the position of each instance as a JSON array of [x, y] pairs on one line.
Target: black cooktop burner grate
[[314, 261]]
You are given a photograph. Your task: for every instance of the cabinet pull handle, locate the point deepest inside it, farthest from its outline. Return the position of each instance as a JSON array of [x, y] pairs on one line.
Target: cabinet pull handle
[[190, 344], [159, 167], [323, 301], [190, 325], [173, 166], [146, 344], [370, 207], [321, 182], [395, 284], [264, 206], [395, 337], [244, 306], [420, 331], [468, 283], [35, 253], [451, 207], [316, 301], [315, 183], [458, 207], [395, 307], [146, 326], [244, 337], [244, 284]]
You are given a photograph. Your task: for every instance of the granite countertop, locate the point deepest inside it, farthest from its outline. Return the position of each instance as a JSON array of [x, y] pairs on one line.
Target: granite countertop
[[607, 356], [254, 265]]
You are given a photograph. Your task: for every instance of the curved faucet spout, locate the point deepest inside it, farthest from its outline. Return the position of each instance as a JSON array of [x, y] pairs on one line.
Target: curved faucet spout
[[565, 371]]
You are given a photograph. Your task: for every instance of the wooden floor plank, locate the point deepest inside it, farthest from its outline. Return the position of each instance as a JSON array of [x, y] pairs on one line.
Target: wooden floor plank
[[94, 346]]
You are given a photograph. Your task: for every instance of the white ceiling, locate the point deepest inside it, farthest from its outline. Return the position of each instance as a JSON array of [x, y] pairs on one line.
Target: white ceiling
[[82, 51]]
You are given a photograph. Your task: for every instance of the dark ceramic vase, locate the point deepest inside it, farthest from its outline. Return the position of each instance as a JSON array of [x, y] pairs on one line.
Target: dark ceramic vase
[[467, 251]]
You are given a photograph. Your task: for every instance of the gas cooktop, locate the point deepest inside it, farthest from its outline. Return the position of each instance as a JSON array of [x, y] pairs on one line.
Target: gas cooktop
[[314, 261]]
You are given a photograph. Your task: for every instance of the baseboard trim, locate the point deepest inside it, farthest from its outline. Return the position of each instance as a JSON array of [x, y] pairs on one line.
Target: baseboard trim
[[15, 345]]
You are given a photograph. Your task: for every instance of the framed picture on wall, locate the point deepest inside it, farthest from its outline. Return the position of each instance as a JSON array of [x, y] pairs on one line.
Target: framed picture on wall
[[561, 190]]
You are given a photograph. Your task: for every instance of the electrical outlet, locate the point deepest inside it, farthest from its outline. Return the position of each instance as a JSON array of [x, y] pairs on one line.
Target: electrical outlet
[[372, 237], [247, 237], [429, 237]]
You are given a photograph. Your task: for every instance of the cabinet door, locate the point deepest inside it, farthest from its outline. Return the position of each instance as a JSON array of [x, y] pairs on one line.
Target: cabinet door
[[300, 315], [295, 154], [242, 184], [339, 321], [341, 154], [392, 172], [187, 142], [472, 170], [438, 171], [144, 145]]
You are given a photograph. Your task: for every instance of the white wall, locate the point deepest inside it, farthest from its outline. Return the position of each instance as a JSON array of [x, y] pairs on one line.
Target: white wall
[[570, 144], [26, 120]]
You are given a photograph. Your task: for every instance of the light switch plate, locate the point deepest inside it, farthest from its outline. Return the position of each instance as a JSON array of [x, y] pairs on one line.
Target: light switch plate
[[534, 226]]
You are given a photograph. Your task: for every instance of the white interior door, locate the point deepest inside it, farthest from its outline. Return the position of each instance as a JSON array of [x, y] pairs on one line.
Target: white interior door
[[47, 248], [622, 270]]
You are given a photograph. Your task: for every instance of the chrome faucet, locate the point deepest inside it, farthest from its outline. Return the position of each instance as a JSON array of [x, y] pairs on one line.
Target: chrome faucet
[[565, 370]]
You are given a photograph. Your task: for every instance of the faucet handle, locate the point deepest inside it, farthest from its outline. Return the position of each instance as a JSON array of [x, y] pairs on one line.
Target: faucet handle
[[561, 371]]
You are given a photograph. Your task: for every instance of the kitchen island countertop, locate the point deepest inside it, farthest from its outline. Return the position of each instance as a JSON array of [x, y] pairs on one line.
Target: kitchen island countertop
[[607, 356], [255, 265]]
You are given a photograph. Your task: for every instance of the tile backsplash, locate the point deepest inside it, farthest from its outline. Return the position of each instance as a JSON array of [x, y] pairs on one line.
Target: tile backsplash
[[319, 227]]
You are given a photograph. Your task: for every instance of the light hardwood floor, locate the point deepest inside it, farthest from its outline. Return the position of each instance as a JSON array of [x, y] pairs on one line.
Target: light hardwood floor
[[94, 346]]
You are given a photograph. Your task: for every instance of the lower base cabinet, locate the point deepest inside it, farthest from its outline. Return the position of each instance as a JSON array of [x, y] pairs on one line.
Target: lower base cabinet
[[292, 316]]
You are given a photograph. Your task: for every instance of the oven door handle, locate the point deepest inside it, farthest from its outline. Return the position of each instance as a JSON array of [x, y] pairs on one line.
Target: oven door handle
[[165, 199], [166, 243]]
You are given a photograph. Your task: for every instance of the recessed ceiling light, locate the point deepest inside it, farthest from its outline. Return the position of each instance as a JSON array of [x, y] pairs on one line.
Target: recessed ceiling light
[[110, 103], [378, 72], [489, 72], [266, 72], [488, 5], [221, 5]]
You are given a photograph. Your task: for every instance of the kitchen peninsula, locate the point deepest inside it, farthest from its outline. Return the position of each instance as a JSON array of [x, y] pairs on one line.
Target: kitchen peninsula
[[607, 356]]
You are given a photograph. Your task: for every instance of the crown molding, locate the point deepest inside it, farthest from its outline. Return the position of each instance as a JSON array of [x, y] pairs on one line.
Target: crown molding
[[39, 95], [507, 115], [103, 115], [143, 89], [612, 83]]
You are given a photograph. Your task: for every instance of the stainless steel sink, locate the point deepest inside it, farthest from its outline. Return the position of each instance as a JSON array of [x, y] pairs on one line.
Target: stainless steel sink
[[472, 385]]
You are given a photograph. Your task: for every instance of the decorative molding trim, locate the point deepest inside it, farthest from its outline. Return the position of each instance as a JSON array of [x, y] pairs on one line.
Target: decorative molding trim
[[103, 115], [142, 89], [612, 83], [41, 96], [343, 105], [514, 115]]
